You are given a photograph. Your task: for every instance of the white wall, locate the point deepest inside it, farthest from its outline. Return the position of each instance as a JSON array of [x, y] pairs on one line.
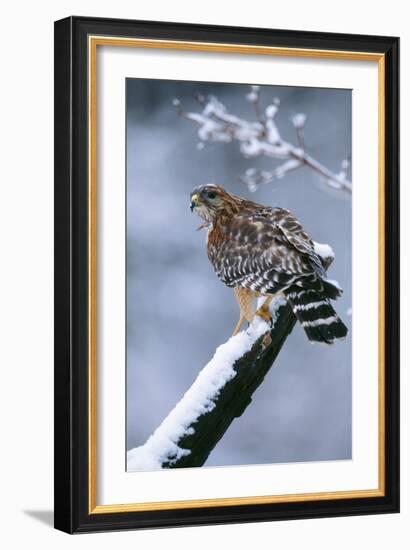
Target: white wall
[[26, 269]]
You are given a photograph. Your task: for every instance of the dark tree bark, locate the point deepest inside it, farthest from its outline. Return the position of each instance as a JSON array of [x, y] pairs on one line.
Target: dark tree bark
[[236, 395]]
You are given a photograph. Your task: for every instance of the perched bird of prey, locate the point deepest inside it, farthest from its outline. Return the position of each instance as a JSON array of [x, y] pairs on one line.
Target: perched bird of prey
[[262, 251]]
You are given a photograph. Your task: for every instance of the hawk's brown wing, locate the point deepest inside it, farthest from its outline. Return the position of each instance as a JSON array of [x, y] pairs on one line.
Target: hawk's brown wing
[[296, 236], [263, 249]]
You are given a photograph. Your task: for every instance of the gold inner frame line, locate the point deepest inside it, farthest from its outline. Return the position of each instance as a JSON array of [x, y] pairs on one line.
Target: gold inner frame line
[[93, 42]]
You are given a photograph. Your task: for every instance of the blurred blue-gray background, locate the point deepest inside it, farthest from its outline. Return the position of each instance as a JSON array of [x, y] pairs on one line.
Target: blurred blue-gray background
[[177, 310]]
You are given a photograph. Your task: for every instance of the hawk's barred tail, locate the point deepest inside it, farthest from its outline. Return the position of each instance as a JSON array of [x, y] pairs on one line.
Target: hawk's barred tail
[[316, 315]]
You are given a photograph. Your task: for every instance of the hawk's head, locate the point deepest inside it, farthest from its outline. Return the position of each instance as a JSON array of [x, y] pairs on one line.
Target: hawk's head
[[211, 200]]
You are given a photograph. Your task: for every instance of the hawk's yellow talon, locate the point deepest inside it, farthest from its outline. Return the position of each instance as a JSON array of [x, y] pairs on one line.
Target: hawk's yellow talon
[[265, 314], [264, 311]]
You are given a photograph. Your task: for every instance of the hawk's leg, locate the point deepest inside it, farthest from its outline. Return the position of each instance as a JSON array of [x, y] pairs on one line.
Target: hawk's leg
[[237, 328], [264, 311], [245, 300]]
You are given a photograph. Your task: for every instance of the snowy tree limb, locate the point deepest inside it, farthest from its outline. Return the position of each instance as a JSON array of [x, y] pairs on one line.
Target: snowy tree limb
[[222, 392], [260, 138]]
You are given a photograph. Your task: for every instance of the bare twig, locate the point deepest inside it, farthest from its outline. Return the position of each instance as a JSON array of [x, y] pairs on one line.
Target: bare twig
[[254, 97], [253, 178], [299, 121], [260, 138]]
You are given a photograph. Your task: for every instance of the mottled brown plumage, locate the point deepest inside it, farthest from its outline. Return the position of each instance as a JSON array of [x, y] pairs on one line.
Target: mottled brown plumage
[[260, 251]]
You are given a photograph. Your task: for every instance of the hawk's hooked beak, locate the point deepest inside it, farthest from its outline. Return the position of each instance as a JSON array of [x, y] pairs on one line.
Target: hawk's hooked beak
[[194, 201]]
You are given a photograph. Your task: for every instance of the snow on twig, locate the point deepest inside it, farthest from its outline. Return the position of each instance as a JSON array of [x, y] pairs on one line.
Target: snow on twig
[[260, 138]]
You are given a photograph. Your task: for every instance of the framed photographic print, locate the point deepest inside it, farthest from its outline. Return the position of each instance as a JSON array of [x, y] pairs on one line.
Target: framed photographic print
[[226, 274]]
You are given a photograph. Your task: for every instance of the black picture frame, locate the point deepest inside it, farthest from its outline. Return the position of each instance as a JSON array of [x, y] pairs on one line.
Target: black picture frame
[[71, 492]]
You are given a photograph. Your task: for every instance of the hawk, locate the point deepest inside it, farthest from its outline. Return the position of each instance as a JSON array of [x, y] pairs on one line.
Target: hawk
[[261, 251]]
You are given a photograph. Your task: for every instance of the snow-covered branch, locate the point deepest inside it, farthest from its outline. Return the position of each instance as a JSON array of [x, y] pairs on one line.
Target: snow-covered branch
[[260, 138], [180, 439], [221, 392]]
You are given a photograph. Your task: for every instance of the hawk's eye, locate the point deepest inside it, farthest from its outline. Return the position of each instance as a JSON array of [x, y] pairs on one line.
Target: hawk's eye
[[211, 195]]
